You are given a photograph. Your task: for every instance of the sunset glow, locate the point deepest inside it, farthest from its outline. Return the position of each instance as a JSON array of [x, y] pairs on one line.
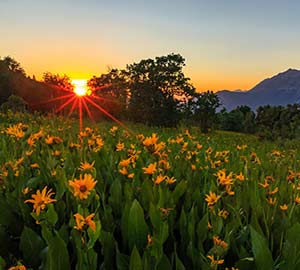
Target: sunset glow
[[80, 87]]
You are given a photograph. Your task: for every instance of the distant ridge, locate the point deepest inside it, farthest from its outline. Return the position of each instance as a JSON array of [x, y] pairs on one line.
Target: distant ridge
[[281, 89]]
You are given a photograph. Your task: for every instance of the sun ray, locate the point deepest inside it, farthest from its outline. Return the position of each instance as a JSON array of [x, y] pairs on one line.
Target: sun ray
[[53, 99], [108, 114], [87, 109], [80, 112], [65, 104], [73, 107]]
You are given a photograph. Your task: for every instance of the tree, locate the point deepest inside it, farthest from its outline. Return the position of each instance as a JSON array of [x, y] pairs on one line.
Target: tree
[[202, 108], [156, 87], [62, 81], [12, 65], [111, 88], [15, 104]]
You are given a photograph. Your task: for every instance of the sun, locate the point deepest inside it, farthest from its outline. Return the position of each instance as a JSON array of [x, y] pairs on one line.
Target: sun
[[80, 87]]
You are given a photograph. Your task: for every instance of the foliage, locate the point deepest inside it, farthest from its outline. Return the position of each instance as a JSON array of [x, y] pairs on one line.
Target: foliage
[[278, 122], [167, 199], [202, 109], [61, 81], [241, 119], [15, 104]]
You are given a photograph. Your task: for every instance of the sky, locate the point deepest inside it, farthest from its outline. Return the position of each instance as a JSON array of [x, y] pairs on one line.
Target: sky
[[227, 44]]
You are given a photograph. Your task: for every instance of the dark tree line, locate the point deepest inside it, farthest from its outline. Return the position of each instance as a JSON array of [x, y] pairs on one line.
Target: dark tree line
[[269, 122]]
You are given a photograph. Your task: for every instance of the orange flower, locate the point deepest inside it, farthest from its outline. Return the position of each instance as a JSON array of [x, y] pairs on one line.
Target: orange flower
[[83, 186], [272, 201], [212, 198], [120, 146], [170, 180], [83, 222], [283, 207], [240, 177], [297, 199], [213, 261], [18, 267], [41, 199], [150, 140], [150, 169], [160, 178], [223, 179], [16, 131], [87, 166], [219, 242]]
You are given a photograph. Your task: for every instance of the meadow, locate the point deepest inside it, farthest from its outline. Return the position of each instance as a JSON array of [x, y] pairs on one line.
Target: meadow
[[144, 198]]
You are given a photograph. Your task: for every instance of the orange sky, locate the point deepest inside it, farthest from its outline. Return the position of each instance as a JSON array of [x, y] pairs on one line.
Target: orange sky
[[227, 44]]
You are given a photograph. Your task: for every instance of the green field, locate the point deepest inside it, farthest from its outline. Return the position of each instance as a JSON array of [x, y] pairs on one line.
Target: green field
[[144, 198]]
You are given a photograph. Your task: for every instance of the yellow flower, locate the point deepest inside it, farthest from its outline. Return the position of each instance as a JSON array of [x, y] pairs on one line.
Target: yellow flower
[[283, 207], [87, 166], [150, 140], [34, 165], [31, 141], [223, 179], [120, 146], [297, 199], [223, 213], [160, 178], [53, 140], [83, 186], [149, 240], [82, 223], [18, 267], [16, 131], [213, 261], [218, 242], [130, 176], [272, 201], [240, 177], [212, 198], [274, 191], [123, 171], [124, 162], [41, 199], [150, 169], [170, 180]]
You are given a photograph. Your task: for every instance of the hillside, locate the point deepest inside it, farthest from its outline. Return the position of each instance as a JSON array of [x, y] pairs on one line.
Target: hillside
[[281, 89]]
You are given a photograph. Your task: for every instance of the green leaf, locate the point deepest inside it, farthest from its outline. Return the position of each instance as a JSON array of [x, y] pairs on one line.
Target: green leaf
[[58, 257], [179, 191], [164, 264], [135, 260], [2, 263], [31, 244], [262, 254], [291, 249], [137, 227], [51, 215], [122, 260]]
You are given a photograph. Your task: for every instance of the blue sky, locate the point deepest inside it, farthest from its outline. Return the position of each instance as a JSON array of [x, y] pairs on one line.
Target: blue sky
[[228, 44]]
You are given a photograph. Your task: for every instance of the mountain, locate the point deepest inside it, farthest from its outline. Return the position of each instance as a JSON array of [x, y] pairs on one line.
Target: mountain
[[281, 89]]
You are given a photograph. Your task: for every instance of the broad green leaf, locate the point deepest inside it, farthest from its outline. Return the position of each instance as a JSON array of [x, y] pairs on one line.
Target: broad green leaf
[[262, 254], [135, 260], [137, 227], [179, 190], [122, 260], [291, 249], [31, 245]]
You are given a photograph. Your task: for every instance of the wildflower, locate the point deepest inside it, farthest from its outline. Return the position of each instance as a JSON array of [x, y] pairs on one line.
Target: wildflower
[[87, 166], [120, 146], [274, 191], [150, 140], [297, 199], [16, 131], [218, 242], [165, 211], [18, 267], [212, 198], [240, 177], [123, 171], [130, 175], [41, 199], [99, 143], [193, 167], [223, 179], [82, 223], [34, 165], [272, 201], [28, 153], [83, 186], [160, 178], [124, 162], [170, 180], [223, 213], [166, 165], [213, 261], [31, 141], [150, 169], [283, 207], [53, 140], [265, 185], [149, 240], [25, 190]]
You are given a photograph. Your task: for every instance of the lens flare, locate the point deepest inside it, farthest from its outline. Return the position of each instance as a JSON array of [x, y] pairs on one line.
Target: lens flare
[[80, 87]]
